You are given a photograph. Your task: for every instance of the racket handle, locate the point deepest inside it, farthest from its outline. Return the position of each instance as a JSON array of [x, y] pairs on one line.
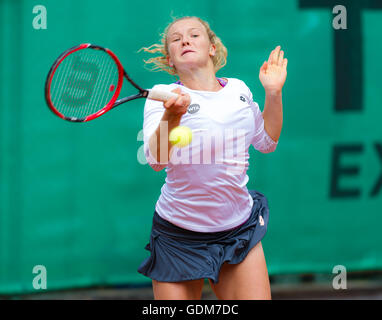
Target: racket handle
[[160, 95]]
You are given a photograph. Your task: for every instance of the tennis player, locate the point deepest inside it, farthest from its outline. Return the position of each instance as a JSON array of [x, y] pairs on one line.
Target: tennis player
[[206, 223]]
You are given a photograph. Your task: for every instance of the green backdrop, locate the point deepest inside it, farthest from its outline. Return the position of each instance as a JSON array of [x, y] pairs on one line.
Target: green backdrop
[[75, 197]]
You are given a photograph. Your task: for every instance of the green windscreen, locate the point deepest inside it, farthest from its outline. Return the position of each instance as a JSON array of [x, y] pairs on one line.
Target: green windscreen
[[79, 199]]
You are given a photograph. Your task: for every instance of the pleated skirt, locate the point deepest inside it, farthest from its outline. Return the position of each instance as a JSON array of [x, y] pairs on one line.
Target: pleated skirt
[[177, 254]]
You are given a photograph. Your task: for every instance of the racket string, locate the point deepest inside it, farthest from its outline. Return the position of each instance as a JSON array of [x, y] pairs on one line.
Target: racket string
[[86, 61], [89, 105], [84, 82], [106, 68], [61, 82]]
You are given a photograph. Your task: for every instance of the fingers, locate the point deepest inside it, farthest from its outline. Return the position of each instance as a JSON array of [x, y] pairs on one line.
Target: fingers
[[285, 63], [177, 90], [281, 58], [171, 101], [270, 57], [183, 100], [276, 57], [178, 105]]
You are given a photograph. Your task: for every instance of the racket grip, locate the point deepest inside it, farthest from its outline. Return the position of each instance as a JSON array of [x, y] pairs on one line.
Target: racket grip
[[160, 95]]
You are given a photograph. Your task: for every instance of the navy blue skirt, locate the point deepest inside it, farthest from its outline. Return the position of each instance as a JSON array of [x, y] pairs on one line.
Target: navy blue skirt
[[178, 254]]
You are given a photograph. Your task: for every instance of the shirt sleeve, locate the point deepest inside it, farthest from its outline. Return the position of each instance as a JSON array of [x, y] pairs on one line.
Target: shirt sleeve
[[261, 141], [153, 113]]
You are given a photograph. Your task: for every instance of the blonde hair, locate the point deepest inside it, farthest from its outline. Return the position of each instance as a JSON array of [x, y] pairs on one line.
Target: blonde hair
[[160, 62]]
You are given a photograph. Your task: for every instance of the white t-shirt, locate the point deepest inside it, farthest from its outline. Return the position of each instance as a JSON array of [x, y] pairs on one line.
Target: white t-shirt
[[205, 188]]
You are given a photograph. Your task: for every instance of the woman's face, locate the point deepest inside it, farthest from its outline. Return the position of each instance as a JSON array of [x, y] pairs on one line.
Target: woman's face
[[188, 45]]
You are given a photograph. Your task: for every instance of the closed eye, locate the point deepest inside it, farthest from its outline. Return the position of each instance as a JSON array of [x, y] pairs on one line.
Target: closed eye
[[193, 36]]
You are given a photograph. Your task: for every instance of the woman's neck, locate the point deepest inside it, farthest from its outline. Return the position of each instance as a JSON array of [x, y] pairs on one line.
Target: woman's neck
[[202, 81]]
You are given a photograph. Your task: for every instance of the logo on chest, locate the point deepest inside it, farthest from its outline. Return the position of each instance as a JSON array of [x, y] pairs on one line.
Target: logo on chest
[[193, 108]]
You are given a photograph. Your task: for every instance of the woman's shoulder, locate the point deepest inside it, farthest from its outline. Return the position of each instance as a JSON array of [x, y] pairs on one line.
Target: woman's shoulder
[[235, 81], [238, 83]]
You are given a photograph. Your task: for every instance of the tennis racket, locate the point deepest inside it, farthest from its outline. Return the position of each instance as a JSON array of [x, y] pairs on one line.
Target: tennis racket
[[85, 81]]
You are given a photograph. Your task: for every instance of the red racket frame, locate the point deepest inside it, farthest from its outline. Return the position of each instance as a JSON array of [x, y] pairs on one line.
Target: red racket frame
[[108, 106]]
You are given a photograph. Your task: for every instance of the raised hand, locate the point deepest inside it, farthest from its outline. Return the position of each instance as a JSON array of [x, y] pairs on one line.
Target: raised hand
[[274, 71]]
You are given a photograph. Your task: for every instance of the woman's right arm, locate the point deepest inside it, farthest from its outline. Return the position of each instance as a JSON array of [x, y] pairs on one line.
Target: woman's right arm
[[175, 108]]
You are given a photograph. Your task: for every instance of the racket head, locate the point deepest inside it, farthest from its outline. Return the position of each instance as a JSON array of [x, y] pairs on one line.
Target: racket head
[[83, 83]]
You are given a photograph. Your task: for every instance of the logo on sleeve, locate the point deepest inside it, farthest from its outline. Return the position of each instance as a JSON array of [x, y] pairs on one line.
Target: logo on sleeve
[[244, 98], [193, 108]]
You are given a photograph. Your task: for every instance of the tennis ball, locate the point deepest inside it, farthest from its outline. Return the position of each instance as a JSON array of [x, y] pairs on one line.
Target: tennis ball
[[180, 136]]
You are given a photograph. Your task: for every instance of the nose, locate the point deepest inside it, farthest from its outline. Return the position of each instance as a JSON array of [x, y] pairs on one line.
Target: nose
[[186, 42]]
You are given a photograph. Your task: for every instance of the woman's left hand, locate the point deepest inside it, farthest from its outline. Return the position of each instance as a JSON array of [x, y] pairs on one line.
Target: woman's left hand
[[273, 72]]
